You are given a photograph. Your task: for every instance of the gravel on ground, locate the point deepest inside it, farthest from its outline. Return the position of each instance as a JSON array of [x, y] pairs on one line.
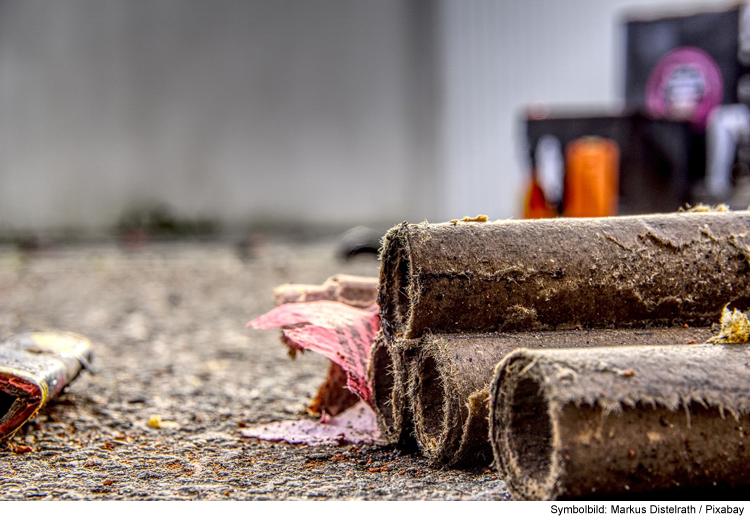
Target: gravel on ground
[[168, 326]]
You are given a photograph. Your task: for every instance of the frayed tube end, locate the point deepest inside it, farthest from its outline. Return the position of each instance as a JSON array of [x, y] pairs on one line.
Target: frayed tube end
[[387, 390], [437, 426], [521, 431], [394, 294]]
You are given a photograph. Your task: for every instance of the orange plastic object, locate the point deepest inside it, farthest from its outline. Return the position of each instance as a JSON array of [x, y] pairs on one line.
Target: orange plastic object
[[535, 205], [591, 178]]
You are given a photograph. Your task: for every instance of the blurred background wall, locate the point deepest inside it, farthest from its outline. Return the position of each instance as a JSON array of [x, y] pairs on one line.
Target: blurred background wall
[[289, 112]]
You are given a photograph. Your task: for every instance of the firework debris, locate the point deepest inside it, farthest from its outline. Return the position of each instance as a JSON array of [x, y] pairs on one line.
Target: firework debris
[[357, 425], [548, 274], [608, 296], [450, 378], [333, 396], [341, 333], [388, 379], [338, 320], [613, 421], [356, 291], [34, 368], [735, 327]]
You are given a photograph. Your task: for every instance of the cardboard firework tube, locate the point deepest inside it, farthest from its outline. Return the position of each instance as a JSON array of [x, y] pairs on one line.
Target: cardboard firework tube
[[357, 291], [34, 368], [388, 377], [560, 273], [607, 422], [450, 378]]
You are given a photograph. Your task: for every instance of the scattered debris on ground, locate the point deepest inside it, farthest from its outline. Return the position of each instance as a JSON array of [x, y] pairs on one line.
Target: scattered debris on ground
[[167, 323]]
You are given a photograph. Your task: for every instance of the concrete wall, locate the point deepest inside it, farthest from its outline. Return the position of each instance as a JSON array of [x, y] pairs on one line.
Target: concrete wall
[[311, 112], [244, 111]]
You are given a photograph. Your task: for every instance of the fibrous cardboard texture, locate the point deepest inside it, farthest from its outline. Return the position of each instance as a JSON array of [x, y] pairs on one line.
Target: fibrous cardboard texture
[[355, 291], [450, 377], [552, 274], [388, 377], [618, 421]]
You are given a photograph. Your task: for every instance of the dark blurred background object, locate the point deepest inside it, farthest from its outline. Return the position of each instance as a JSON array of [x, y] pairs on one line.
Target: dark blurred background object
[[653, 166], [359, 240], [682, 137]]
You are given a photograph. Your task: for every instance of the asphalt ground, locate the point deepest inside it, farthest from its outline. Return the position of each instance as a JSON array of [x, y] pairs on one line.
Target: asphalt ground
[[168, 326]]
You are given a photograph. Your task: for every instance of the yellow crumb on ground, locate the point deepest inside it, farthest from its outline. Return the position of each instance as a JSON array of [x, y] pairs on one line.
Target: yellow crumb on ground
[[154, 421]]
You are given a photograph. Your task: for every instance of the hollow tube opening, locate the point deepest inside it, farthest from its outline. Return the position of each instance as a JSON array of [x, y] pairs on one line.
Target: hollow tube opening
[[6, 403], [530, 431], [430, 400], [383, 383], [395, 303]]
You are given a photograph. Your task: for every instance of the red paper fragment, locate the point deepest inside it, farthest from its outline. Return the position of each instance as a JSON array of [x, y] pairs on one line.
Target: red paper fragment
[[339, 332], [357, 425], [20, 396]]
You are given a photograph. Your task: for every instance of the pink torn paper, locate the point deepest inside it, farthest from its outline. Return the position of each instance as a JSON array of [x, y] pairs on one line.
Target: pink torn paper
[[339, 332], [357, 425]]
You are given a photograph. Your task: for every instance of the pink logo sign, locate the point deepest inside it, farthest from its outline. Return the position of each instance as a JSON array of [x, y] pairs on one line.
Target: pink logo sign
[[685, 84]]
